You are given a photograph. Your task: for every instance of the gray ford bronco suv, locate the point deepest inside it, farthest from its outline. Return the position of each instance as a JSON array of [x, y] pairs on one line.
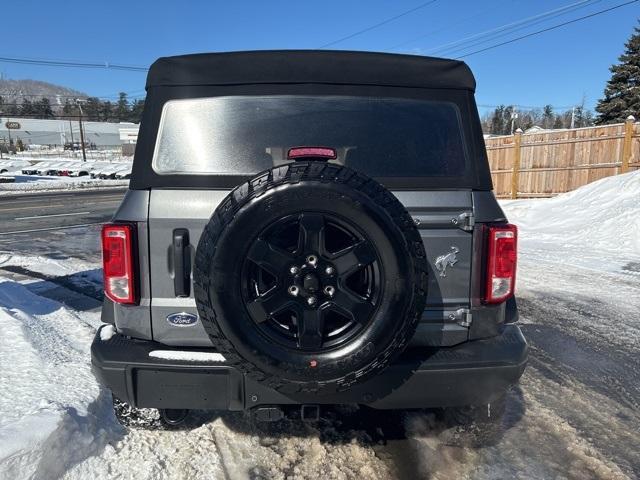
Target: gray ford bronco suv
[[305, 228]]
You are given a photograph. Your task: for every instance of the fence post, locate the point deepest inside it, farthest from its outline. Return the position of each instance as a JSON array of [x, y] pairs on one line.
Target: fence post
[[517, 141], [626, 146]]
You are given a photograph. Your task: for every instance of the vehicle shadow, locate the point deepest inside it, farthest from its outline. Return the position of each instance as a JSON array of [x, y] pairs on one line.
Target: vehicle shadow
[[89, 434], [81, 291]]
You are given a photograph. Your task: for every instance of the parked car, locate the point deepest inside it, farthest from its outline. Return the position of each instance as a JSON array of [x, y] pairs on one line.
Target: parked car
[[114, 170], [12, 165], [33, 169], [56, 169], [76, 169], [44, 168], [123, 174], [330, 238]]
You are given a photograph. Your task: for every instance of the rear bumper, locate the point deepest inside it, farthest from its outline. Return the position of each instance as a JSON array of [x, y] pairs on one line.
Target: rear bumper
[[474, 372]]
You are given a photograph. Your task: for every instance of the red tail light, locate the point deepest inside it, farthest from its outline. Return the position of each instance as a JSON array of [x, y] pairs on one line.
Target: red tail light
[[118, 242], [501, 263], [314, 152]]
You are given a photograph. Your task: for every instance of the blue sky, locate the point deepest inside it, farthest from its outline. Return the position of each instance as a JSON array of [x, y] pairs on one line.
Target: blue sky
[[557, 67]]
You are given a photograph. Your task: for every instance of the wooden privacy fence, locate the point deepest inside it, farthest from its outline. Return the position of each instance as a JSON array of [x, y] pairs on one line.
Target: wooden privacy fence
[[543, 164]]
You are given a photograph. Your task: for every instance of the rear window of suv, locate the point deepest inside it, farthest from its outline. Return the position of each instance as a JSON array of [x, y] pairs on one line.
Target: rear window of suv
[[243, 135]]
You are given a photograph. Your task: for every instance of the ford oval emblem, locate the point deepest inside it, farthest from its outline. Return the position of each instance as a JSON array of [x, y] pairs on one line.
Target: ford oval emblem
[[182, 319]]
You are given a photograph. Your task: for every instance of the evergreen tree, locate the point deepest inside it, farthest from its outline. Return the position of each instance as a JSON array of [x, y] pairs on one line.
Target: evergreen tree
[[43, 108], [497, 120], [106, 111], [69, 109], [622, 93], [92, 108], [122, 107], [136, 111], [547, 116], [27, 108]]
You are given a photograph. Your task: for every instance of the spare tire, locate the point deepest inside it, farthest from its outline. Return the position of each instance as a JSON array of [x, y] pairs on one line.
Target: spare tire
[[310, 277]]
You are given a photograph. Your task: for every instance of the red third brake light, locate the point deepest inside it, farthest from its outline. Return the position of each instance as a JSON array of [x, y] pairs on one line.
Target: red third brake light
[[501, 263], [313, 152], [117, 262]]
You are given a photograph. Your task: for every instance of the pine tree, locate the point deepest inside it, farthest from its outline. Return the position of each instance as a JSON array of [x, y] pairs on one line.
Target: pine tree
[[622, 93], [26, 108], [92, 108], [547, 116], [136, 111], [69, 108], [43, 108], [106, 111], [122, 107], [497, 120]]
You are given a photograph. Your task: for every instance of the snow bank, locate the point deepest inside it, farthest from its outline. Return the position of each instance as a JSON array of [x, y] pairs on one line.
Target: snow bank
[[600, 221], [54, 414]]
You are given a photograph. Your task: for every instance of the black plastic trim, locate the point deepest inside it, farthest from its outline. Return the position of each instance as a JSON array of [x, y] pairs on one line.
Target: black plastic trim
[[473, 372], [181, 263]]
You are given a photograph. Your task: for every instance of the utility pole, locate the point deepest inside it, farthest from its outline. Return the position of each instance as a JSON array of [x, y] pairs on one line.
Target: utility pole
[[71, 130], [573, 117], [514, 115], [84, 154], [9, 132]]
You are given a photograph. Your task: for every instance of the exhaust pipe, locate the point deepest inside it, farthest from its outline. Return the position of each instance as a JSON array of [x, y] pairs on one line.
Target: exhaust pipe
[[174, 416]]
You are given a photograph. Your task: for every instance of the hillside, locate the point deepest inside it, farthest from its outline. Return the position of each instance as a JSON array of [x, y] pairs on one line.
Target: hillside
[[13, 91]]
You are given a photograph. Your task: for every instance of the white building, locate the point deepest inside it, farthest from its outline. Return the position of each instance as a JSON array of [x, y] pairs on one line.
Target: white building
[[58, 132]]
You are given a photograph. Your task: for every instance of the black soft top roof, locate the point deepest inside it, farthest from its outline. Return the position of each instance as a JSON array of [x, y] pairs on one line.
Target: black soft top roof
[[310, 66]]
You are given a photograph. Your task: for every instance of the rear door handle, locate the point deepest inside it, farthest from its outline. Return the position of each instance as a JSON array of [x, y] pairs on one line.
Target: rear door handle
[[181, 262]]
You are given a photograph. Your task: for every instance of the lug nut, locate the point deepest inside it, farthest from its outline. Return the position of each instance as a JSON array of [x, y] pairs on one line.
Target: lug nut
[[312, 260], [294, 270], [293, 290], [329, 290], [329, 270], [311, 300]]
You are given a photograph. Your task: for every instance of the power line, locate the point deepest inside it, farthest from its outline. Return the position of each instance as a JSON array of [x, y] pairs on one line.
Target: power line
[[508, 26], [379, 24], [428, 34], [548, 29], [516, 28], [73, 64]]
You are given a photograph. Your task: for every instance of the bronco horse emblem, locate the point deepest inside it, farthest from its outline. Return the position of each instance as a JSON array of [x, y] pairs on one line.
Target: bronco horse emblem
[[447, 260]]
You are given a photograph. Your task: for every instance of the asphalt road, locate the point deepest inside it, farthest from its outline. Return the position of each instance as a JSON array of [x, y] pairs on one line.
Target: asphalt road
[[56, 224]]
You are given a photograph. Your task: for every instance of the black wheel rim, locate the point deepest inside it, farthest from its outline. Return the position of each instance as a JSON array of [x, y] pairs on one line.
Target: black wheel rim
[[311, 281]]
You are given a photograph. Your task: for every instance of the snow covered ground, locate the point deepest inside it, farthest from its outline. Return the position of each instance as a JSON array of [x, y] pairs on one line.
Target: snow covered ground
[[574, 415]]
